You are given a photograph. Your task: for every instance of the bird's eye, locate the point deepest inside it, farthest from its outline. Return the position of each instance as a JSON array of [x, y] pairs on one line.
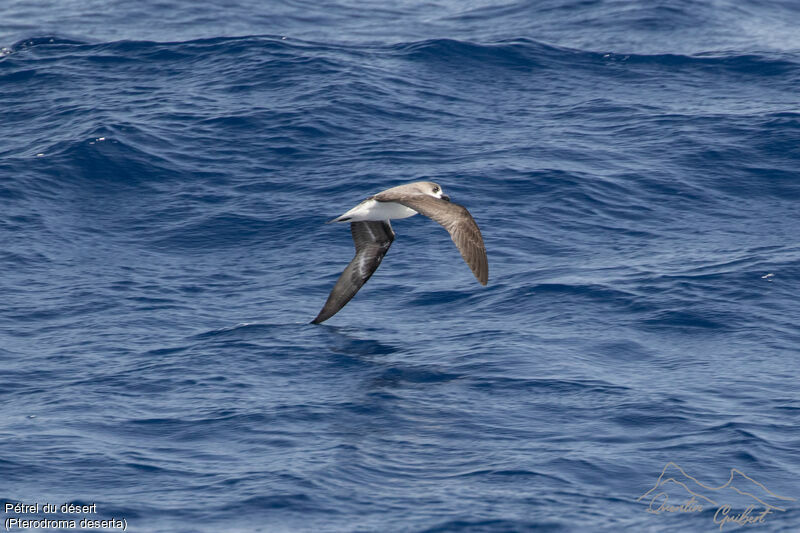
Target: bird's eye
[[436, 189]]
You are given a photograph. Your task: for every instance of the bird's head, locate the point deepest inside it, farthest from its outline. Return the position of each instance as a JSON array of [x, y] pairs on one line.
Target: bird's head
[[433, 189]]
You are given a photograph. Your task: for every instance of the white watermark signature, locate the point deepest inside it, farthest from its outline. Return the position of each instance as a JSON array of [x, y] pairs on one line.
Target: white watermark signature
[[740, 501]]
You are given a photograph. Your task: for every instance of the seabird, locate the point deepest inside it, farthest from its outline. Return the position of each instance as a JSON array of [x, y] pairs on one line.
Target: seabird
[[373, 235]]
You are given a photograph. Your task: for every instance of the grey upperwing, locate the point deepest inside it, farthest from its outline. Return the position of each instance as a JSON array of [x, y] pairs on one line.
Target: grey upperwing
[[372, 240], [457, 221]]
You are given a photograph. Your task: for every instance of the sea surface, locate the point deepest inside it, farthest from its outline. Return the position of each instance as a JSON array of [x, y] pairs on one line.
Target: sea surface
[[166, 171]]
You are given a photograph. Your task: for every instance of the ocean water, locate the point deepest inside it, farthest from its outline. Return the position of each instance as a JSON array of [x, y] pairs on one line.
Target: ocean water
[[166, 169]]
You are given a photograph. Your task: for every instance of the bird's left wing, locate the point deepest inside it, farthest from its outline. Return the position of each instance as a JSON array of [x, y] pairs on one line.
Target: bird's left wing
[[372, 240]]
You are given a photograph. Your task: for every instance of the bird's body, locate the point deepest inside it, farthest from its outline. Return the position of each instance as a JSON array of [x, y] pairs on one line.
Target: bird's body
[[371, 209], [373, 235]]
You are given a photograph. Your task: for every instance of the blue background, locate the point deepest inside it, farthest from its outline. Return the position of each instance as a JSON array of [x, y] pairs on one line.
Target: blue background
[[166, 169]]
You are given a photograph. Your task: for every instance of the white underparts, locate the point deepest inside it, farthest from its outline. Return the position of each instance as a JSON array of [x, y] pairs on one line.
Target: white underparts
[[373, 210]]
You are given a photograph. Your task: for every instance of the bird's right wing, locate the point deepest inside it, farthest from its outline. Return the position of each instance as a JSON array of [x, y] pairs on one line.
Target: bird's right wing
[[456, 220], [372, 240]]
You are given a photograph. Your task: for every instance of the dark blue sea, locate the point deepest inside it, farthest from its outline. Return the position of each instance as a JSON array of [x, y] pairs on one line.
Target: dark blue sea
[[166, 172]]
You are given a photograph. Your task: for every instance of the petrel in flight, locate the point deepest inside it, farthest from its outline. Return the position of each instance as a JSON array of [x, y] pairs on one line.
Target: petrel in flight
[[373, 235]]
